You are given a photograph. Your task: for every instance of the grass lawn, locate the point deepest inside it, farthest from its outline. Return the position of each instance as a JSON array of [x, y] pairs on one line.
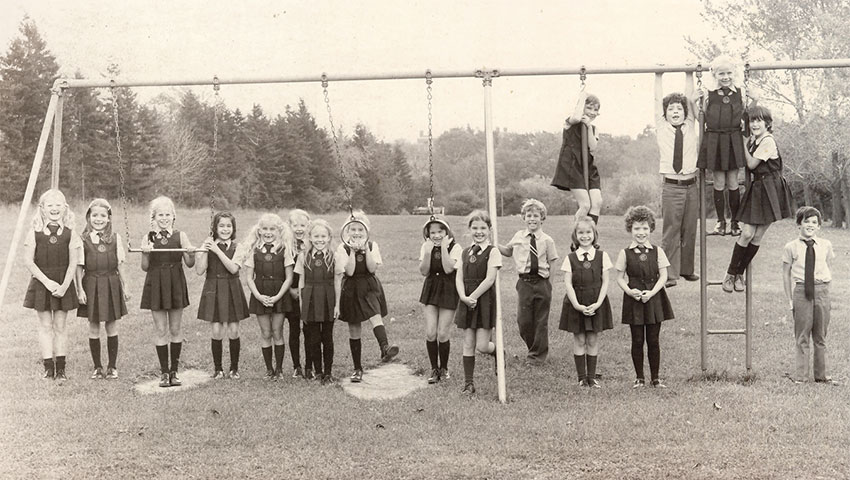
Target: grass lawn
[[717, 425]]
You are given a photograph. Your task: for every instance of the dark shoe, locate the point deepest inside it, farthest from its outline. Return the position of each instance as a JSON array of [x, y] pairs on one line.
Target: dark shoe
[[97, 374], [218, 375], [60, 376], [357, 376], [444, 374], [728, 284], [435, 376], [738, 283], [828, 381], [111, 373], [735, 230], [308, 374], [670, 283], [174, 379], [583, 382], [594, 383], [164, 380], [719, 229], [328, 379], [657, 384], [468, 389], [269, 375], [388, 353], [276, 375], [639, 383], [691, 278], [49, 373], [297, 372], [234, 375]]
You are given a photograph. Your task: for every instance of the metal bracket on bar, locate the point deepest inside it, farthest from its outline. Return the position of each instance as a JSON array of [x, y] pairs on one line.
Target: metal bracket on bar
[[487, 76]]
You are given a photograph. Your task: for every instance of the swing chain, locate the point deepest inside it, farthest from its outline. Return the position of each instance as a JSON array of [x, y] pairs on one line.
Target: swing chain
[[428, 82], [121, 178], [216, 114], [582, 75], [746, 83], [345, 180], [699, 84]]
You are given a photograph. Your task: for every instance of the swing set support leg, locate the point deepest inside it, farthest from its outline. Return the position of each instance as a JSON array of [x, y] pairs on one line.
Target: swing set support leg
[[25, 204]]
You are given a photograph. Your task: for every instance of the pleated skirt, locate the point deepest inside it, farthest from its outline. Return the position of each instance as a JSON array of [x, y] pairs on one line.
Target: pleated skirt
[[223, 301], [165, 288], [104, 297], [362, 298], [318, 301]]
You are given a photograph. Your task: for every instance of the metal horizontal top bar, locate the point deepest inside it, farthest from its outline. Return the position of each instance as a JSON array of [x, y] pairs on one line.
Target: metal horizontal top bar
[[412, 75]]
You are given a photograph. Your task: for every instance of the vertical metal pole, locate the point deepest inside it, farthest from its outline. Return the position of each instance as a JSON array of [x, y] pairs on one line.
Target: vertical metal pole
[[57, 139], [36, 166], [491, 206], [703, 263], [748, 325]]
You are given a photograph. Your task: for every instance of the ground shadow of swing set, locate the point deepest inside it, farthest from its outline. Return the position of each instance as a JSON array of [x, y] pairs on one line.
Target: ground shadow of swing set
[[53, 119]]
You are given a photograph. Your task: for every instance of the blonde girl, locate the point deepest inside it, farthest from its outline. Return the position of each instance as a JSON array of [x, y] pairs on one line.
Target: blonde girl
[[103, 293], [165, 292], [51, 253], [268, 264], [299, 223]]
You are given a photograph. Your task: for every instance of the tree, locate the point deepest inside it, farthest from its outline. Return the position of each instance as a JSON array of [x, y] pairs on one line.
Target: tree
[[27, 72]]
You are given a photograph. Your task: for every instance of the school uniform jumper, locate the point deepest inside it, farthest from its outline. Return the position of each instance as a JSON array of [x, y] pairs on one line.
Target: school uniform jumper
[[587, 283], [475, 264], [269, 275], [439, 288], [769, 198], [722, 146], [165, 283], [51, 257], [293, 316], [223, 299], [642, 270], [569, 172], [317, 297], [362, 294], [101, 282]]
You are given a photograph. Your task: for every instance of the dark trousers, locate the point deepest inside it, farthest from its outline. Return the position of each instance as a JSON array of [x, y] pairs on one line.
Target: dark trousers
[[534, 296], [680, 210], [294, 319], [811, 319]]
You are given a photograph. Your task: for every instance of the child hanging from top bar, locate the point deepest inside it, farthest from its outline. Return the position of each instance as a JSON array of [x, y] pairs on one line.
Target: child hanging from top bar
[[51, 253], [767, 200], [165, 292], [223, 301], [569, 171], [102, 291], [722, 148]]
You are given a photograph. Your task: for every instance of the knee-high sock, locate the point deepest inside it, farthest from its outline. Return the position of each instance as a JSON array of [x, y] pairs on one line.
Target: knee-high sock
[[581, 366], [60, 362], [295, 339], [176, 348], [381, 334], [653, 349], [267, 357], [94, 346], [735, 262], [215, 346], [444, 348], [749, 253], [734, 202], [593, 217], [162, 354], [279, 351], [431, 346], [637, 349], [720, 205], [328, 346], [356, 347], [468, 368], [235, 346], [112, 351], [591, 366]]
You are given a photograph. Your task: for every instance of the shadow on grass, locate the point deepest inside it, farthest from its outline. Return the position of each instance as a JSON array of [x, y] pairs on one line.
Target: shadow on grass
[[725, 376]]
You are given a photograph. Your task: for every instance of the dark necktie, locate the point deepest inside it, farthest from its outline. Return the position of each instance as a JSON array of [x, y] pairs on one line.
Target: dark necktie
[[678, 148], [475, 250], [809, 277], [163, 233], [319, 256], [586, 257], [222, 246], [533, 253], [268, 247], [53, 228], [726, 90]]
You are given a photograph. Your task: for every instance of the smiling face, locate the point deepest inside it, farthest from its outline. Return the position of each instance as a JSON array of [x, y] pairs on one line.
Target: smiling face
[[809, 227], [224, 229], [591, 110], [724, 76], [480, 231], [584, 234], [675, 113], [758, 127], [268, 232], [299, 226], [53, 208], [436, 233], [640, 232], [98, 218], [357, 232], [163, 219], [319, 238], [533, 219]]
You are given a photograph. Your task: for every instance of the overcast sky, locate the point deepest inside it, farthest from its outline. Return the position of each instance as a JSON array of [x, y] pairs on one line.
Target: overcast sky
[[191, 39]]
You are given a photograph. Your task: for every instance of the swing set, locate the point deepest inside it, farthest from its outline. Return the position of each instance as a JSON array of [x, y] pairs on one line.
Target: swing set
[[53, 118]]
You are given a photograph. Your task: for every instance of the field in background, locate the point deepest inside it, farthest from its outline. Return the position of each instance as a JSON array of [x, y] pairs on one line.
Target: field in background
[[724, 427]]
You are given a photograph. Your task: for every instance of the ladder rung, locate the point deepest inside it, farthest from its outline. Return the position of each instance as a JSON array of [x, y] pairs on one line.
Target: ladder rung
[[727, 332], [713, 282]]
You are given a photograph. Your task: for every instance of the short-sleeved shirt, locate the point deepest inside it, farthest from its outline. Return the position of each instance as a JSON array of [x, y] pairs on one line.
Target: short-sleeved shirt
[[288, 258], [591, 254], [341, 256], [794, 254], [665, 134], [95, 239], [425, 251], [184, 239], [76, 241], [620, 264], [299, 262], [766, 148], [495, 260], [521, 246]]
